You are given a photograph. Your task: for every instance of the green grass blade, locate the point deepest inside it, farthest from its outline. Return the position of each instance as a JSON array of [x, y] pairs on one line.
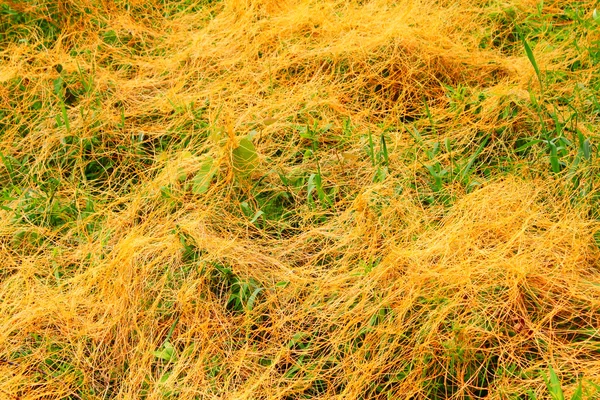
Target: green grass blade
[[554, 158], [528, 145], [531, 58], [371, 149], [578, 394], [384, 151], [553, 385], [467, 169], [252, 299]]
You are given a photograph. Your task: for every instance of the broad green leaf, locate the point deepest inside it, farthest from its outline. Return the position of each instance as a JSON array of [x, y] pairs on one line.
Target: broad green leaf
[[110, 37], [167, 353], [587, 149], [234, 300], [283, 178], [58, 86], [203, 177], [245, 159]]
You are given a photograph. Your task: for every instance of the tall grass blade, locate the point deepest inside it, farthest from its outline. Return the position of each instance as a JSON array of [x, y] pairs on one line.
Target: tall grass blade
[[533, 62]]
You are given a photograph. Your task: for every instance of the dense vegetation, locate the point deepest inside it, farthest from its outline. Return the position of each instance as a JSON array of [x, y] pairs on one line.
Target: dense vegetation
[[272, 199]]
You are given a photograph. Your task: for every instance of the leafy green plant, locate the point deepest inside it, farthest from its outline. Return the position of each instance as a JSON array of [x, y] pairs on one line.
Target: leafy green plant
[[315, 185], [379, 159], [243, 295], [23, 24], [253, 215], [459, 170], [166, 353], [240, 295], [313, 134]]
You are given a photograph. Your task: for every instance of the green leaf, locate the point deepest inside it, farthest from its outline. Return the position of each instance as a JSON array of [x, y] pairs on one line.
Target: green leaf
[[252, 298], [531, 57], [189, 351], [283, 178], [311, 186], [65, 117], [574, 166], [167, 353], [384, 151], [380, 174], [578, 394], [58, 86], [447, 145], [181, 175], [165, 377], [245, 159], [297, 340], [416, 135], [467, 169], [320, 192], [587, 149], [554, 158], [256, 216], [246, 208], [110, 37], [553, 385], [371, 149], [202, 179], [528, 144]]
